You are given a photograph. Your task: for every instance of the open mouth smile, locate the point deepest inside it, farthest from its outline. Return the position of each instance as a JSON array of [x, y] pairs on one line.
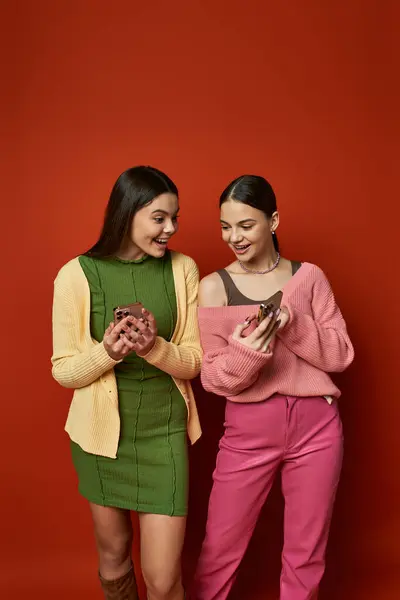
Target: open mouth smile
[[240, 248], [161, 242]]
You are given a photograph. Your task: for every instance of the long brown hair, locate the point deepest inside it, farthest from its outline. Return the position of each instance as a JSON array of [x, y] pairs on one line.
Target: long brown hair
[[134, 189]]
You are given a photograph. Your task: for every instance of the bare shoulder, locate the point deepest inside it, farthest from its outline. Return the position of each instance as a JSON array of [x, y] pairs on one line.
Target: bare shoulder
[[212, 291]]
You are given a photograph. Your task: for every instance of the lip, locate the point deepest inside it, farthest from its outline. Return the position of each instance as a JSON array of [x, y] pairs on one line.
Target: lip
[[241, 251], [161, 246]]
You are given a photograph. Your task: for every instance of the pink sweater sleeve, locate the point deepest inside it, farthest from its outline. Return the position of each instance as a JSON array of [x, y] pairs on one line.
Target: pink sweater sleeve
[[228, 367], [321, 339]]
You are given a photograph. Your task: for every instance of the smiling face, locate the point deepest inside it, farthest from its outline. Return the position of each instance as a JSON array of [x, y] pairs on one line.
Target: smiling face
[[152, 227], [247, 230]]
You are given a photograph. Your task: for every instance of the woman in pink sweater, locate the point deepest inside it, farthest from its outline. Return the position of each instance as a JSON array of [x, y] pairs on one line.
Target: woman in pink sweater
[[281, 413]]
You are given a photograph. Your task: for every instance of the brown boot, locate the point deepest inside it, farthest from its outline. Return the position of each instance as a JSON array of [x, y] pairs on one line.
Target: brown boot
[[123, 588]]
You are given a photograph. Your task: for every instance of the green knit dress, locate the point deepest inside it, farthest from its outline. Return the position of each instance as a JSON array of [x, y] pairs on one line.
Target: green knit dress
[[150, 472]]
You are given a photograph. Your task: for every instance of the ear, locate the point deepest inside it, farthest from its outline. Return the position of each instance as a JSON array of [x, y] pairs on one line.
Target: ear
[[274, 221]]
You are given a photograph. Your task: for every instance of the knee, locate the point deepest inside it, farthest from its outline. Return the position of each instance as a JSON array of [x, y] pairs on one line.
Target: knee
[[115, 552], [162, 586]]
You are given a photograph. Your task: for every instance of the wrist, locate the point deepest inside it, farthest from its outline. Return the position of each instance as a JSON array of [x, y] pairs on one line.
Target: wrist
[[147, 349], [110, 353]]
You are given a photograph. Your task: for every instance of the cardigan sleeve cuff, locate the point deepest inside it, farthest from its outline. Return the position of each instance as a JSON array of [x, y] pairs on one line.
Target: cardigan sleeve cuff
[[100, 357], [154, 355]]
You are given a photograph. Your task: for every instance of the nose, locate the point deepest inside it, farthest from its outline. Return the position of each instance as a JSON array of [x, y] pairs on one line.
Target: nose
[[235, 236], [169, 227]]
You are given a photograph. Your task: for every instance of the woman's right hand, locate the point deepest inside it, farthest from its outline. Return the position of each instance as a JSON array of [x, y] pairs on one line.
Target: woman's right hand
[[117, 345], [263, 334]]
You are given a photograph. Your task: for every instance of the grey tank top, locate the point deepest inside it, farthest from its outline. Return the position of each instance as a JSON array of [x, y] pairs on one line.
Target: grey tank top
[[235, 297]]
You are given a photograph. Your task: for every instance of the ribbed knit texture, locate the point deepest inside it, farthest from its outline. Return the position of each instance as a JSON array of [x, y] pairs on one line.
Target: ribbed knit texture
[[313, 343], [81, 363]]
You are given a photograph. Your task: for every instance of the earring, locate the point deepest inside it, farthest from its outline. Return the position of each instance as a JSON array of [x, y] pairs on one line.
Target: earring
[[273, 233]]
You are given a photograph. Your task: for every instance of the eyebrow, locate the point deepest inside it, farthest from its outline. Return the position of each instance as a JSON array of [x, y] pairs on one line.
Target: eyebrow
[[241, 222], [164, 212]]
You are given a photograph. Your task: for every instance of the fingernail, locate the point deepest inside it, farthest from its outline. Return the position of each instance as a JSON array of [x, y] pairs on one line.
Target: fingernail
[[278, 312], [271, 314]]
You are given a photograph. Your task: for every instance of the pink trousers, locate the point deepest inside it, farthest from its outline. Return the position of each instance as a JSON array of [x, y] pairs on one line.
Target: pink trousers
[[301, 437]]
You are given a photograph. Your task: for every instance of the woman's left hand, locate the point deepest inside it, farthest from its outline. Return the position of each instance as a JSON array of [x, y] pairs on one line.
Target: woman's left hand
[[283, 317], [143, 333]]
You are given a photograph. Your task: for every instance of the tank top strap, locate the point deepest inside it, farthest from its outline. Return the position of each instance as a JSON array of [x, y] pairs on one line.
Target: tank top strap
[[295, 266], [228, 284]]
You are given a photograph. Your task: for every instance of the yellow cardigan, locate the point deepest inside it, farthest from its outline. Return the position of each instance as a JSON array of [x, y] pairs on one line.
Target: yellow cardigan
[[81, 363]]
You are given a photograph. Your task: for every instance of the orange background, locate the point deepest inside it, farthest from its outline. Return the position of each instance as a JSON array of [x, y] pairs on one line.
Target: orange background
[[301, 92]]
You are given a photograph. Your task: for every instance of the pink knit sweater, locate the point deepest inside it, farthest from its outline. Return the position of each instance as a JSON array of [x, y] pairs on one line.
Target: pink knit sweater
[[313, 343]]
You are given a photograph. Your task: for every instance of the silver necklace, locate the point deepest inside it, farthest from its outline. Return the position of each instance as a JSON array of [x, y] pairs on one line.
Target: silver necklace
[[276, 263]]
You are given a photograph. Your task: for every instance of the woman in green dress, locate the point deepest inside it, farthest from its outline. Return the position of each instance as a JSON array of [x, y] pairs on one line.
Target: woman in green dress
[[133, 406]]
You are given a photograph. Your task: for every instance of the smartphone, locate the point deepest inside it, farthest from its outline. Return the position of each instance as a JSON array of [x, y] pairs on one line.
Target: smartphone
[[270, 306], [128, 310]]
